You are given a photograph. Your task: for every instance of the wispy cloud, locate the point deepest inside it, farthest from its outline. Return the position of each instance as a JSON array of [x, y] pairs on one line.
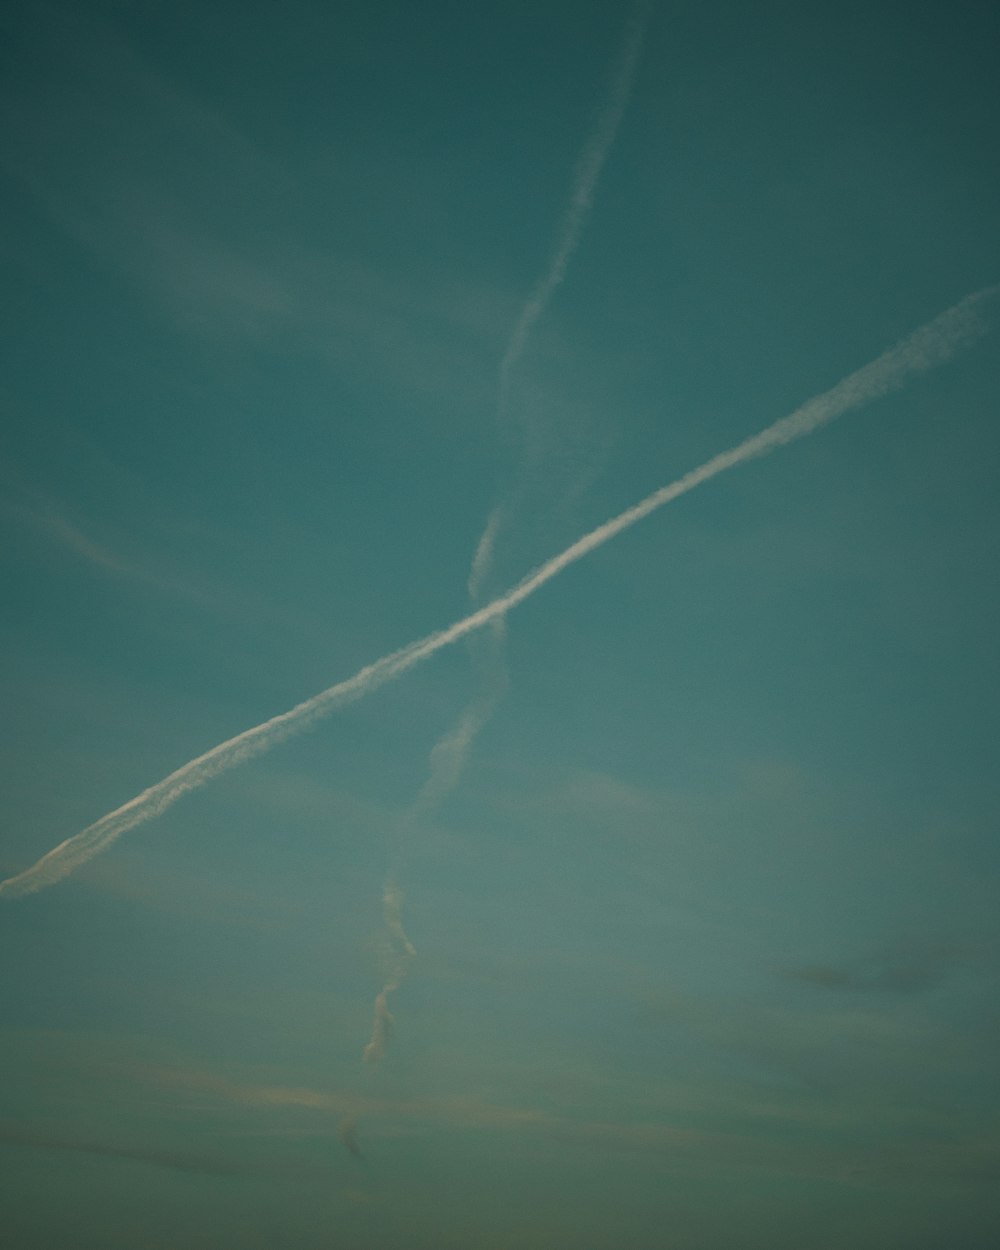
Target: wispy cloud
[[900, 969], [30, 507], [931, 345], [810, 1139], [33, 509], [190, 208], [176, 1160]]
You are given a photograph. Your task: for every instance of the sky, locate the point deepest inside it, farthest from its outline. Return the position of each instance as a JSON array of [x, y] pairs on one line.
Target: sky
[[410, 836]]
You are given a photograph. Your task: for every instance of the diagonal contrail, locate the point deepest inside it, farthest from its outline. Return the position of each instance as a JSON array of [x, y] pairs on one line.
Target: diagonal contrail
[[933, 344]]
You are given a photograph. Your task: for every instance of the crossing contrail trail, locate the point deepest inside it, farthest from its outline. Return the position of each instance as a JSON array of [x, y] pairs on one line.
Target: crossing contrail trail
[[933, 344], [449, 754], [448, 757]]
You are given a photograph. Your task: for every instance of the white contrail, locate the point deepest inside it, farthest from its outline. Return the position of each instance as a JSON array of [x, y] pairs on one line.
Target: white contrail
[[401, 954], [933, 344], [588, 171], [447, 763], [482, 561], [448, 756]]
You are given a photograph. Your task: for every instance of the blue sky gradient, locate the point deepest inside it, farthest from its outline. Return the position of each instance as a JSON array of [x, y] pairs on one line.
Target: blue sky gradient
[[703, 906]]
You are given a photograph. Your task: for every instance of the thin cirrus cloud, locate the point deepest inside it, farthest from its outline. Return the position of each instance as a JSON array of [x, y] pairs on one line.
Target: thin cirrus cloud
[[55, 526], [448, 757], [176, 1160], [189, 210], [934, 343], [35, 511], [751, 1142]]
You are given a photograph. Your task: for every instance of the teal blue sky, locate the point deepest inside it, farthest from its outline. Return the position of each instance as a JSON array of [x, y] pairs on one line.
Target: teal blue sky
[[704, 916]]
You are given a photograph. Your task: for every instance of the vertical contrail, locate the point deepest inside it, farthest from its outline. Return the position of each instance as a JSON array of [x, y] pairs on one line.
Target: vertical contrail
[[482, 561], [588, 172], [453, 748], [933, 344], [448, 756], [447, 761], [400, 955]]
